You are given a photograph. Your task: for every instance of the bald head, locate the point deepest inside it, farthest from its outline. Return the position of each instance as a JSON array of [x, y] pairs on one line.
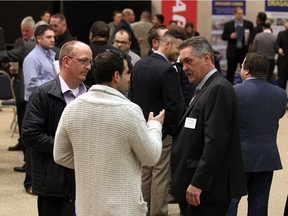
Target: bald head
[[128, 15]]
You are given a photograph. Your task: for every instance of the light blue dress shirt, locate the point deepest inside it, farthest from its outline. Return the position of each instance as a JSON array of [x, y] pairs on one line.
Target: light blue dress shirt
[[38, 69]]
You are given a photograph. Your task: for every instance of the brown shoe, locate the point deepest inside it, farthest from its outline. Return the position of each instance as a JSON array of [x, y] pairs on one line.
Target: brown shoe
[[30, 191]]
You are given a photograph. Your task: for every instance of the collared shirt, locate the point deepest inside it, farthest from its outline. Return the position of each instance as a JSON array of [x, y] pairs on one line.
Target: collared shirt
[[200, 85], [238, 23], [162, 55], [66, 91], [133, 57], [251, 78], [38, 69]]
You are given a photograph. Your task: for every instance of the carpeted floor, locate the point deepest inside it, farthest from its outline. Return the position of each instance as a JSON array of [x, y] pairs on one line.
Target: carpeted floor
[[14, 201]]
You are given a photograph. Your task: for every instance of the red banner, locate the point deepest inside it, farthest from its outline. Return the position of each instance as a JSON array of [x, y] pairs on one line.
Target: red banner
[[181, 11]]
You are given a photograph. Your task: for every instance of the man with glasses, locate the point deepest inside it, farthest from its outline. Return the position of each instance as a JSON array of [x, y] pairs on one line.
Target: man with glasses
[[54, 184], [128, 17], [112, 143], [122, 41]]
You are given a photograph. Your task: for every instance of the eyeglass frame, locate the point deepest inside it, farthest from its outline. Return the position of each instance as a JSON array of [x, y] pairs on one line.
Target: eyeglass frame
[[82, 61]]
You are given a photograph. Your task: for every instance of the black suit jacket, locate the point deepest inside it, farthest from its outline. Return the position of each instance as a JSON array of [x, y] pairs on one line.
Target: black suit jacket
[[229, 28], [96, 47], [282, 42], [156, 86], [208, 154]]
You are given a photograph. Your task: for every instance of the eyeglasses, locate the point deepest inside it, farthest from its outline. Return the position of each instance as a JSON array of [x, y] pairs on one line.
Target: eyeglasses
[[121, 42], [84, 62]]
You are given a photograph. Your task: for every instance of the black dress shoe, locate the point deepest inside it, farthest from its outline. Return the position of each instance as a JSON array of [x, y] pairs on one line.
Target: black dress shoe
[[19, 169], [17, 147]]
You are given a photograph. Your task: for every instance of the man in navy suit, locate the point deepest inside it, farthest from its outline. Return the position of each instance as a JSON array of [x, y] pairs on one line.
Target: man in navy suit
[[261, 105], [206, 161], [156, 86], [236, 32]]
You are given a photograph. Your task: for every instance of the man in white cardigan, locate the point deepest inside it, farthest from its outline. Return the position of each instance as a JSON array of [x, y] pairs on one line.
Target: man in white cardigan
[[105, 138]]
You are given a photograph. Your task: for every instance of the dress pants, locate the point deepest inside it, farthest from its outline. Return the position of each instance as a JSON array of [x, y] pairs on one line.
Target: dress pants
[[233, 63], [270, 70], [27, 158], [209, 209], [282, 64], [156, 181], [55, 206], [258, 186], [21, 108]]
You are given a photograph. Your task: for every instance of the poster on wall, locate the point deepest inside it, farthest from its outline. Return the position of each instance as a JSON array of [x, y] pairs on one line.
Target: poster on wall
[[181, 11], [276, 14], [222, 11]]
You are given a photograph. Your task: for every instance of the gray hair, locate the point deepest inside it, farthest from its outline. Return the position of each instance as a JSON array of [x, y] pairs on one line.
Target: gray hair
[[41, 22], [200, 46], [28, 21]]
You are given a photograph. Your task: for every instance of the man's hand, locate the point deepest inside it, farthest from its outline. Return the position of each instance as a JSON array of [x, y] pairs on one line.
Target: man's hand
[[159, 117], [12, 70], [233, 35], [281, 52], [193, 195]]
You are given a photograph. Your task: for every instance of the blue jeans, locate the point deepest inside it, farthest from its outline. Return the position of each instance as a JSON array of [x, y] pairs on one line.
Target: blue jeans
[[258, 186]]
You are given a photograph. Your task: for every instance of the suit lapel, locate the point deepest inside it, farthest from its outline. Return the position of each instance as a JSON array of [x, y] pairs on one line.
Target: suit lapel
[[203, 89]]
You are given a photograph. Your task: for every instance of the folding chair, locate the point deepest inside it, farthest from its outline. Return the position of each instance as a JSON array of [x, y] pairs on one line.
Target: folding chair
[[7, 98]]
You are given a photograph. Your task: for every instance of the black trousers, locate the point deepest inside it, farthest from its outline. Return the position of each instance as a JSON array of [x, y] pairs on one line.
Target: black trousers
[[282, 71], [21, 108], [232, 64], [270, 70], [209, 209], [55, 206]]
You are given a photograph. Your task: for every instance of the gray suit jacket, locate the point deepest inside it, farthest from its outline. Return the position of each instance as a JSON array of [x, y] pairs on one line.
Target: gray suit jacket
[[261, 105]]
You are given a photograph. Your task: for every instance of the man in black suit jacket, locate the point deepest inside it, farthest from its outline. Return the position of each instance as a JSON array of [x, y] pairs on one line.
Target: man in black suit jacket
[[282, 62], [128, 17], [156, 86], [98, 36], [206, 161], [236, 32]]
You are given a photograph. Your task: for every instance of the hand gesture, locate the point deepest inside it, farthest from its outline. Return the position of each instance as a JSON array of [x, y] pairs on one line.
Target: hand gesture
[[159, 117]]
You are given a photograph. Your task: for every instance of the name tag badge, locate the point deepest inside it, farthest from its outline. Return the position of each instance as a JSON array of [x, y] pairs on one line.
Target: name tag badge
[[190, 123]]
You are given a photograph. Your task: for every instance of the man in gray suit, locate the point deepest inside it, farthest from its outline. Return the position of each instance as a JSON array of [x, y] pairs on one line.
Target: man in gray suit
[[261, 105]]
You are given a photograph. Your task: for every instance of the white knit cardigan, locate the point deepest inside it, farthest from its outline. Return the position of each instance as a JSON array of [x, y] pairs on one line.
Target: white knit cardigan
[[105, 138]]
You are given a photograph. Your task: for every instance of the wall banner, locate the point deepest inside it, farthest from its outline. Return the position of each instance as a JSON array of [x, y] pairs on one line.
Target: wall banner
[[276, 5], [181, 11], [220, 7]]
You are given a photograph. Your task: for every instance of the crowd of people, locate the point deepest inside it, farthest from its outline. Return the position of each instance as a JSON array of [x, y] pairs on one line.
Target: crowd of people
[[142, 115]]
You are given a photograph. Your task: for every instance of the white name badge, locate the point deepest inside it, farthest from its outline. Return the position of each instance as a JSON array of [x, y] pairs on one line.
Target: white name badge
[[190, 123]]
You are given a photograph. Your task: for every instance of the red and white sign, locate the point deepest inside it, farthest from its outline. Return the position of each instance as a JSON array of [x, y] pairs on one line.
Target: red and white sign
[[181, 11]]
